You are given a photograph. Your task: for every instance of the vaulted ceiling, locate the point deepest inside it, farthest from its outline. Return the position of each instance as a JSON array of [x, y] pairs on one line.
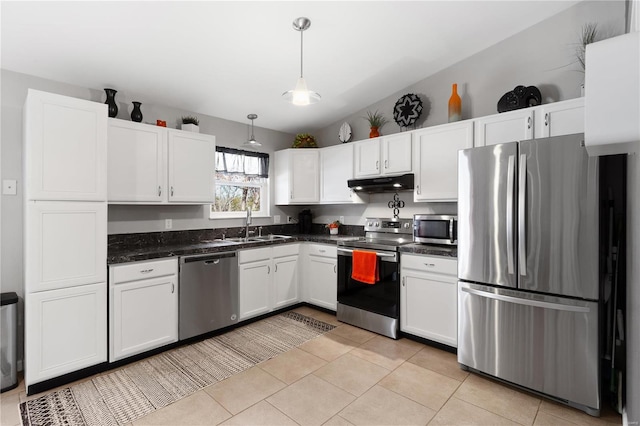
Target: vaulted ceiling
[[231, 58]]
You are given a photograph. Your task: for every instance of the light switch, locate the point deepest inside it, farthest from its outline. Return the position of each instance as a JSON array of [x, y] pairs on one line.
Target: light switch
[[276, 218], [9, 187]]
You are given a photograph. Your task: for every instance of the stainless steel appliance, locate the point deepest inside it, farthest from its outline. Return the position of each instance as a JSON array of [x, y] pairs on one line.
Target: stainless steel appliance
[[208, 293], [528, 267], [375, 307], [435, 229]]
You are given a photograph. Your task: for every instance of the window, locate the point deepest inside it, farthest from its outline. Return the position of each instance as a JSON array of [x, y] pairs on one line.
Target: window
[[242, 179]]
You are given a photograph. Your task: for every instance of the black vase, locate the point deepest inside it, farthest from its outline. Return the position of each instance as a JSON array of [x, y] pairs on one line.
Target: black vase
[[111, 102], [136, 114]]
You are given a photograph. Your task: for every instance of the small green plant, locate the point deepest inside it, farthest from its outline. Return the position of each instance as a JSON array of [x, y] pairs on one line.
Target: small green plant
[[188, 119], [304, 140], [589, 35], [375, 119]]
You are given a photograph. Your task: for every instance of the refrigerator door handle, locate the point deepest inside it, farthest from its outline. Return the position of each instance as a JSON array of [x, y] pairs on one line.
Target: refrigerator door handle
[[522, 196], [526, 302], [511, 171]]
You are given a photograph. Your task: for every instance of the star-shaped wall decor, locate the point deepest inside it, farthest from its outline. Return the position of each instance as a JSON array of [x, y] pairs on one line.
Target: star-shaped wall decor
[[407, 110]]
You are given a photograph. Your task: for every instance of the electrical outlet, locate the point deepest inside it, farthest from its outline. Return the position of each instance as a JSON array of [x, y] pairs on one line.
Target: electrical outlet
[[289, 219], [276, 219], [341, 219], [168, 224]]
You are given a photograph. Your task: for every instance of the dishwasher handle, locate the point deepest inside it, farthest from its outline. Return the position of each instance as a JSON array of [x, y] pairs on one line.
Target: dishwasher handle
[[210, 258]]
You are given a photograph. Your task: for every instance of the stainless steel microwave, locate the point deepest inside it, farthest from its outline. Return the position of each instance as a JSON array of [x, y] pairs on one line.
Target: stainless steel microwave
[[435, 229]]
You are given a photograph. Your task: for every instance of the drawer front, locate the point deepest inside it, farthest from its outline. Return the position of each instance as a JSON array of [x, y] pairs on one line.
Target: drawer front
[[433, 264], [282, 250], [322, 250], [143, 270], [254, 255]]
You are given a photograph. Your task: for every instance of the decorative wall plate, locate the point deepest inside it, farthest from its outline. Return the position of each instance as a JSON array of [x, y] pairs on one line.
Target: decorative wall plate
[[407, 110], [345, 133]]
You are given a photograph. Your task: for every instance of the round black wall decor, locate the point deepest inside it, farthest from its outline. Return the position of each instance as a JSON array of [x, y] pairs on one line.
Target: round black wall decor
[[407, 110]]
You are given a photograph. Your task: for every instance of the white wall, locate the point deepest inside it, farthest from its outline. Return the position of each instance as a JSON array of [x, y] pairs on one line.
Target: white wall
[[541, 56]]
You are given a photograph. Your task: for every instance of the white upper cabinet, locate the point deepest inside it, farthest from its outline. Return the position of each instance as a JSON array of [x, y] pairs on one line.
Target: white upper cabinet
[[137, 167], [560, 118], [336, 168], [506, 127], [612, 94], [192, 163], [437, 160], [154, 165], [386, 155], [65, 148], [297, 176]]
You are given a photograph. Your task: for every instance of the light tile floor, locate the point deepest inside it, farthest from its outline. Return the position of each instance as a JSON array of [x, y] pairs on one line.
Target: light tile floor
[[350, 376]]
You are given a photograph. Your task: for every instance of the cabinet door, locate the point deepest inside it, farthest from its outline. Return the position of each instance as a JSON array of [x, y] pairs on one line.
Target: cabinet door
[[506, 127], [336, 168], [137, 164], [65, 148], [285, 281], [367, 158], [144, 316], [65, 331], [560, 118], [65, 244], [437, 160], [322, 282], [192, 164], [397, 154], [254, 282], [305, 176], [429, 306]]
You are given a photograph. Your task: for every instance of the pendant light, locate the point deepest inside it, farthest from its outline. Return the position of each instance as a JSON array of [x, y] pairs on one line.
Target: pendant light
[[301, 95], [252, 142]]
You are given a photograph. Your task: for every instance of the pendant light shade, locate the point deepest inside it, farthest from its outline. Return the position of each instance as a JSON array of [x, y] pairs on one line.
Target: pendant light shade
[[252, 142], [301, 95]]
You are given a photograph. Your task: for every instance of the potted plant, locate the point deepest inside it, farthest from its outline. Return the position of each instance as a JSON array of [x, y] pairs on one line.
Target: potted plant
[[333, 227], [190, 124], [376, 121], [304, 140]]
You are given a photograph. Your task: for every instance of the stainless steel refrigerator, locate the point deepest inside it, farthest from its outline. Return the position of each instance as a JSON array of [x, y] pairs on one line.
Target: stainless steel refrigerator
[[528, 267]]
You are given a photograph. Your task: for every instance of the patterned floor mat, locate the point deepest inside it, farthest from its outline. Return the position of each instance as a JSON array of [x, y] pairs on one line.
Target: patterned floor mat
[[126, 394]]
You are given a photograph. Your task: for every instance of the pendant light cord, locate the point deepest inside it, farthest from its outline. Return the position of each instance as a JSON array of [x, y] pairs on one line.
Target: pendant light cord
[[301, 51]]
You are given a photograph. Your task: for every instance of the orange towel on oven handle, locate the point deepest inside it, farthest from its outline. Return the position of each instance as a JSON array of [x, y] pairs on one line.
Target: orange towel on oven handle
[[365, 267]]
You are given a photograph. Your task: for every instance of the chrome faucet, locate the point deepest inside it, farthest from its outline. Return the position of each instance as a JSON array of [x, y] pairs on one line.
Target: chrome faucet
[[246, 232]]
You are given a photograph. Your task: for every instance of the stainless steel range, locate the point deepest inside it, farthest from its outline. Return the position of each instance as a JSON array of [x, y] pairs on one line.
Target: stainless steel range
[[374, 307]]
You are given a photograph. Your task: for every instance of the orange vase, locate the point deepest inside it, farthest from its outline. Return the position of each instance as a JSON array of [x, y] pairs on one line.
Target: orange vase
[[374, 133], [455, 105]]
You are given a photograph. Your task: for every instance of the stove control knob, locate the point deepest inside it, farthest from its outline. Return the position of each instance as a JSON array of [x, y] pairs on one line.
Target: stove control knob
[[369, 223], [377, 224], [406, 225]]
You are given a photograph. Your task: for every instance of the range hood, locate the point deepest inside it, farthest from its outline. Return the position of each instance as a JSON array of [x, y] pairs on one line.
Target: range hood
[[382, 184]]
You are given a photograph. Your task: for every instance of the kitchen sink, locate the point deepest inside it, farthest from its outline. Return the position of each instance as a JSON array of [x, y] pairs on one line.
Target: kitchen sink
[[270, 237]]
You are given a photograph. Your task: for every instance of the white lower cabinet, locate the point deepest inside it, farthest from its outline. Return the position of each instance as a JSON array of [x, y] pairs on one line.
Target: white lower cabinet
[[66, 329], [143, 300], [267, 279], [321, 276], [428, 298]]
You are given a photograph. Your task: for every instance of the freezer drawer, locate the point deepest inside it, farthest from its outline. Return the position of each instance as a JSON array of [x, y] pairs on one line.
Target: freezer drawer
[[544, 343]]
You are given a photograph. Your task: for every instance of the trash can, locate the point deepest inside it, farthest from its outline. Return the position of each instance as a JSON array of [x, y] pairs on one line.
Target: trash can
[[8, 341]]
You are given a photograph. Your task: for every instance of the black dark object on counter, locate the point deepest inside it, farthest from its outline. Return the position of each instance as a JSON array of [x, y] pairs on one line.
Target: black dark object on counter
[[520, 97], [304, 221]]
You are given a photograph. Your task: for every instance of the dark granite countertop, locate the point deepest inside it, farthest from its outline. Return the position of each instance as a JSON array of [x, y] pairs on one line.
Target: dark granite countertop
[[430, 250], [156, 251]]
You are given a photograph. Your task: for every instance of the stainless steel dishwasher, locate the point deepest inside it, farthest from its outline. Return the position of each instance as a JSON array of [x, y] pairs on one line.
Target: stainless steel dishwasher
[[208, 293]]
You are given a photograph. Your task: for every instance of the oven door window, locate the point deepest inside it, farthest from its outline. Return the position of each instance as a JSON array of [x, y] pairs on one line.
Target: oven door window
[[382, 298]]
